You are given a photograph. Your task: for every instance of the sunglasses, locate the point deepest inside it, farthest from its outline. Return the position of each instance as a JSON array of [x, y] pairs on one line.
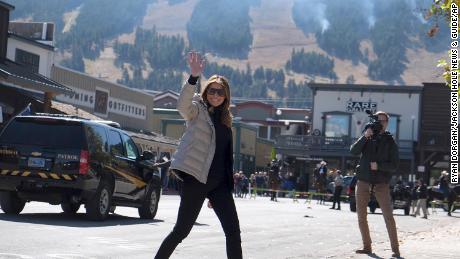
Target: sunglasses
[[213, 91]]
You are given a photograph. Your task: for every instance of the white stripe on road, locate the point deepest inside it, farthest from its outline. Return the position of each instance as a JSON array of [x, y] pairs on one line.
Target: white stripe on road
[[121, 243], [14, 256], [68, 256]]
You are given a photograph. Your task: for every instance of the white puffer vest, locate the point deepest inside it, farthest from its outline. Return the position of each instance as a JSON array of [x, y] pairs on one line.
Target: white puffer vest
[[197, 145]]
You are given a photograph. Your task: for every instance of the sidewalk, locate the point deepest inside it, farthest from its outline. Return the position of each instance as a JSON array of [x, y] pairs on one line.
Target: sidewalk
[[439, 241]]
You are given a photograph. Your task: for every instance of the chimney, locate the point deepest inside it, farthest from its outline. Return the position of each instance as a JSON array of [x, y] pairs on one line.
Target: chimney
[[4, 21]]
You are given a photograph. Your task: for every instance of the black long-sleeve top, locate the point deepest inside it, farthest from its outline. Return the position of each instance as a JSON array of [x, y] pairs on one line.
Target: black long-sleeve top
[[221, 165]]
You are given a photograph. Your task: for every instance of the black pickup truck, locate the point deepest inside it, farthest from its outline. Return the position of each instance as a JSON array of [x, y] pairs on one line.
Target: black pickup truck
[[71, 161]]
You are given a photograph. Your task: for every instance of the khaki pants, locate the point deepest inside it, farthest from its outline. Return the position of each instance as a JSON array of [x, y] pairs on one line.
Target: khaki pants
[[421, 203], [382, 193]]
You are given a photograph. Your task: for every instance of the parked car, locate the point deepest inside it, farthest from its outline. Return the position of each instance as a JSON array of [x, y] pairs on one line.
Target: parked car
[[401, 198], [434, 193], [71, 161], [351, 193]]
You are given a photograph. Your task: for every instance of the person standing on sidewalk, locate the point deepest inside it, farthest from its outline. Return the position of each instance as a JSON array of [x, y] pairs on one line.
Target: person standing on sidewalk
[[338, 183], [379, 158], [422, 195], [413, 197], [204, 160]]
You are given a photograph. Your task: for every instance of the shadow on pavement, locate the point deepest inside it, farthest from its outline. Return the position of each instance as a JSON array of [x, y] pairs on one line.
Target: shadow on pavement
[[373, 255], [199, 224], [396, 215], [77, 220]]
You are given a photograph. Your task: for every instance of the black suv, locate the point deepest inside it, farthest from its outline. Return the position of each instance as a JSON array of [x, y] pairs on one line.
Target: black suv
[[71, 161]]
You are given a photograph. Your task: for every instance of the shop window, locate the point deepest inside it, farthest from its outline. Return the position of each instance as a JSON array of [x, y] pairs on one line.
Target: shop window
[[393, 125], [336, 125]]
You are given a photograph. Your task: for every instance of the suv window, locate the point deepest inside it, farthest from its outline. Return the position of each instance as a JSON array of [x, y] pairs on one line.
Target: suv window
[[131, 148], [97, 139], [115, 143], [44, 132]]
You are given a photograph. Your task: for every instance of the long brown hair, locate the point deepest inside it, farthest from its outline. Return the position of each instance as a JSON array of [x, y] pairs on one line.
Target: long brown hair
[[226, 114]]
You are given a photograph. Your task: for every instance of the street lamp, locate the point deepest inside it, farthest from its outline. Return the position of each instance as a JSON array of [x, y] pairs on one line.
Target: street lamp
[[279, 112], [413, 122], [307, 121]]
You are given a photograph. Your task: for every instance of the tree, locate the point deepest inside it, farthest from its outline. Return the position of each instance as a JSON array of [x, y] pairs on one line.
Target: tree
[[350, 80], [442, 9]]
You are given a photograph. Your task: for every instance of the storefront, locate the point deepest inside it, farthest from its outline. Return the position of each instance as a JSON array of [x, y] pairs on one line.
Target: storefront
[[339, 117]]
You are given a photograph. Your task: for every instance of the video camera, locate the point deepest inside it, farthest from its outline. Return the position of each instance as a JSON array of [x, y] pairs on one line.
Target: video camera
[[374, 123]]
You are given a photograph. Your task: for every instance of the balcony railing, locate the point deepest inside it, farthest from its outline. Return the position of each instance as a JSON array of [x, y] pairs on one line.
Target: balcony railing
[[325, 144]]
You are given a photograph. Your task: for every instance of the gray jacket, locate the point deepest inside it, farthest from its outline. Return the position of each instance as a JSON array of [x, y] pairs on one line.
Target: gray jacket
[[197, 145]]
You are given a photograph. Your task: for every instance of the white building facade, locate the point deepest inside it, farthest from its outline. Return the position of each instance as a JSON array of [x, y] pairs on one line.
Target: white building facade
[[338, 117], [339, 110]]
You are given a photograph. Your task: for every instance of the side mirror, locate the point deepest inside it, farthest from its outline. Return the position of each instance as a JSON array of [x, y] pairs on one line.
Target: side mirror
[[147, 155]]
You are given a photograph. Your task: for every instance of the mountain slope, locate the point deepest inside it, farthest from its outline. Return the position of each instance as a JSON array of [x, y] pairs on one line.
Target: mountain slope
[[275, 35]]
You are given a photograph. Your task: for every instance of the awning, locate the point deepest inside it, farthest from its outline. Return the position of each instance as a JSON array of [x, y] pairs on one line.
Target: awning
[[16, 74]]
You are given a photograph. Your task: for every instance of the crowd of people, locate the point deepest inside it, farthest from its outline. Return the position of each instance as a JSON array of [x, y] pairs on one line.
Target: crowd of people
[[262, 183]]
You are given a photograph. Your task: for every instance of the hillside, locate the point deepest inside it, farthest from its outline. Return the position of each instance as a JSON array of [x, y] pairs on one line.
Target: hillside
[[275, 32]]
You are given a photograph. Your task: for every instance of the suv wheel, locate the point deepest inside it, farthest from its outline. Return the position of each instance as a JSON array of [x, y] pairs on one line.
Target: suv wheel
[[70, 208], [11, 203], [98, 208], [353, 205], [407, 210], [149, 207], [372, 207]]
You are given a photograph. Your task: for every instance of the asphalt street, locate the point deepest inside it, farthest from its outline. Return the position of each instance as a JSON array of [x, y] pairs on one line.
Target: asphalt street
[[284, 229]]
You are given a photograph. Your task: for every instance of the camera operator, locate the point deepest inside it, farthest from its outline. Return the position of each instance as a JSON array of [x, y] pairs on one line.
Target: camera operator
[[379, 158]]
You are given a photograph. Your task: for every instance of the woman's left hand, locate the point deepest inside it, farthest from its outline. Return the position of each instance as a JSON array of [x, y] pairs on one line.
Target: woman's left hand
[[196, 63]]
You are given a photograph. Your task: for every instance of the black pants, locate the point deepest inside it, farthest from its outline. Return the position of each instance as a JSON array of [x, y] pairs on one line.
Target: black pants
[[192, 197], [337, 192]]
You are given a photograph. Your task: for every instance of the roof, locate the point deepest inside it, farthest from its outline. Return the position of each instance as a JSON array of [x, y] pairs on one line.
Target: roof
[[254, 103], [72, 110], [166, 94], [17, 74], [358, 87], [31, 41], [6, 5], [154, 137]]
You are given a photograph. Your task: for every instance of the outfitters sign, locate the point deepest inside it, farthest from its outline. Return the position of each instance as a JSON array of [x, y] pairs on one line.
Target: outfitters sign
[[361, 106]]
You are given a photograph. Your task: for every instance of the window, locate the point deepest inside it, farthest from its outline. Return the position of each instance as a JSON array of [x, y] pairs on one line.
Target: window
[[262, 132], [97, 139], [131, 148], [115, 143], [47, 133], [336, 125], [30, 60], [393, 126], [275, 132]]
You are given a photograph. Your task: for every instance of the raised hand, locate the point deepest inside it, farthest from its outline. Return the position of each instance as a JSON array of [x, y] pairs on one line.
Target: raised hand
[[196, 63]]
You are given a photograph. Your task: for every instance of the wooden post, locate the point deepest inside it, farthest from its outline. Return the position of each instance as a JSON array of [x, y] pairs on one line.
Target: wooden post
[[47, 102]]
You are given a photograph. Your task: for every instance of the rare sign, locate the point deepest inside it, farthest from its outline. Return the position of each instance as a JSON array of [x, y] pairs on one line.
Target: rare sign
[[361, 106]]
